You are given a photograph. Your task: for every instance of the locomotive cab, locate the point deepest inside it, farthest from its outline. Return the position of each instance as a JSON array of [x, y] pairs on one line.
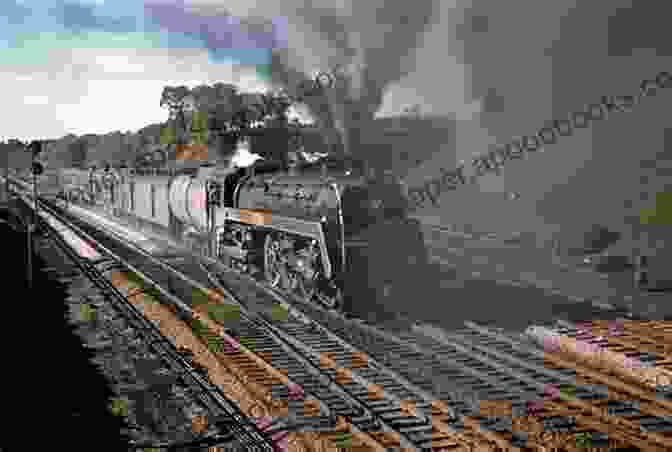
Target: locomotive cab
[[383, 248], [379, 200]]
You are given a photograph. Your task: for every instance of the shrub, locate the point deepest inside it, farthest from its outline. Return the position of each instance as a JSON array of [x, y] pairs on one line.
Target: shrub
[[198, 297], [343, 440], [279, 313], [88, 313], [134, 278], [583, 440], [247, 342], [120, 407], [152, 294], [223, 312], [197, 326]]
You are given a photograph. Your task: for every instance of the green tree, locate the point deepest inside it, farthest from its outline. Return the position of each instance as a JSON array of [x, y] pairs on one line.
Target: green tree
[[178, 99], [232, 114], [18, 157], [222, 104], [221, 115], [168, 135], [77, 153], [199, 127]]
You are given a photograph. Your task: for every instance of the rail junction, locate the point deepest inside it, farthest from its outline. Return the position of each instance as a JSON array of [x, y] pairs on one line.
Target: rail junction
[[336, 382]]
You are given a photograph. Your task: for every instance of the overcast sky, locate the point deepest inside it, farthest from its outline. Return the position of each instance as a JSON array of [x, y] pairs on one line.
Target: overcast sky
[[85, 66], [96, 66]]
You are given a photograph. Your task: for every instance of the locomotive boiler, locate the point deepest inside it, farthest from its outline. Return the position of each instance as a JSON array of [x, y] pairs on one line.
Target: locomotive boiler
[[309, 231]]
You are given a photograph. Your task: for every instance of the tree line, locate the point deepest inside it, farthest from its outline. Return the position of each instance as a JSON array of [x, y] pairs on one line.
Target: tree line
[[219, 115], [215, 116]]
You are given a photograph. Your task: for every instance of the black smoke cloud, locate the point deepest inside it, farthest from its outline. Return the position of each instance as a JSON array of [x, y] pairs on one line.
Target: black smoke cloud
[[639, 26], [368, 44], [571, 55]]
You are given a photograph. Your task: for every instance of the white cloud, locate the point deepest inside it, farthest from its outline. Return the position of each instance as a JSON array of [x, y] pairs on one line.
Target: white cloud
[[102, 90], [36, 100], [119, 63]]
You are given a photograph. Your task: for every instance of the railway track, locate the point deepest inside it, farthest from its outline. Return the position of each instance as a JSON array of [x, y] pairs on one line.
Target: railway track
[[505, 386], [376, 417], [591, 399], [413, 386], [408, 417], [498, 391], [234, 429], [382, 409]]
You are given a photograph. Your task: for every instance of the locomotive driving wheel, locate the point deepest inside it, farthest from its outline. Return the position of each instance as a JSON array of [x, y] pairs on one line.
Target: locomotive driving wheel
[[306, 288], [272, 261], [332, 299], [275, 267]]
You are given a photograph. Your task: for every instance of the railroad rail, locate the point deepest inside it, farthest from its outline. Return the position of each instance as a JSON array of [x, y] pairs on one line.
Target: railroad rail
[[478, 368], [235, 429], [372, 400], [478, 388], [592, 399], [382, 409], [396, 403], [415, 387], [332, 399]]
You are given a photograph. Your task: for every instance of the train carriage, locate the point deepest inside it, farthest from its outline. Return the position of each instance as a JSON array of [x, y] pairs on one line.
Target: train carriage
[[151, 200]]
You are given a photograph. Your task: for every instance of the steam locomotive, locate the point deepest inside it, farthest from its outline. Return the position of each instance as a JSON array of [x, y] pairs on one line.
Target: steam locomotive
[[327, 231]]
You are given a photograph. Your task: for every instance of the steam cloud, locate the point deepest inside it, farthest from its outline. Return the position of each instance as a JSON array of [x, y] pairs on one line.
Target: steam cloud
[[367, 43]]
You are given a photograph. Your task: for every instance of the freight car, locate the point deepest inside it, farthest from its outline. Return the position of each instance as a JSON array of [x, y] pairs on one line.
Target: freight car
[[310, 230]]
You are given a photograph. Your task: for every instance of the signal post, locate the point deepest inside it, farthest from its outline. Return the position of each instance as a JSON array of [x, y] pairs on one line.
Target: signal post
[[35, 147]]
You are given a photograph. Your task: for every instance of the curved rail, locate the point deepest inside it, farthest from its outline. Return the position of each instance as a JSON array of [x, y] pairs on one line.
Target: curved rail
[[394, 404], [239, 428], [381, 407]]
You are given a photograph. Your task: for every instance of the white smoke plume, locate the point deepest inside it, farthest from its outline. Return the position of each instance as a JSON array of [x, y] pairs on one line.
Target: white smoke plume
[[369, 44]]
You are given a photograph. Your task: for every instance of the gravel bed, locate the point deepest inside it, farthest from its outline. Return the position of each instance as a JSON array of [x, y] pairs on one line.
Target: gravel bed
[[153, 402]]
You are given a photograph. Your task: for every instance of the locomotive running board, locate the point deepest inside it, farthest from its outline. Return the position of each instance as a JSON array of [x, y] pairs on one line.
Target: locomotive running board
[[264, 218]]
